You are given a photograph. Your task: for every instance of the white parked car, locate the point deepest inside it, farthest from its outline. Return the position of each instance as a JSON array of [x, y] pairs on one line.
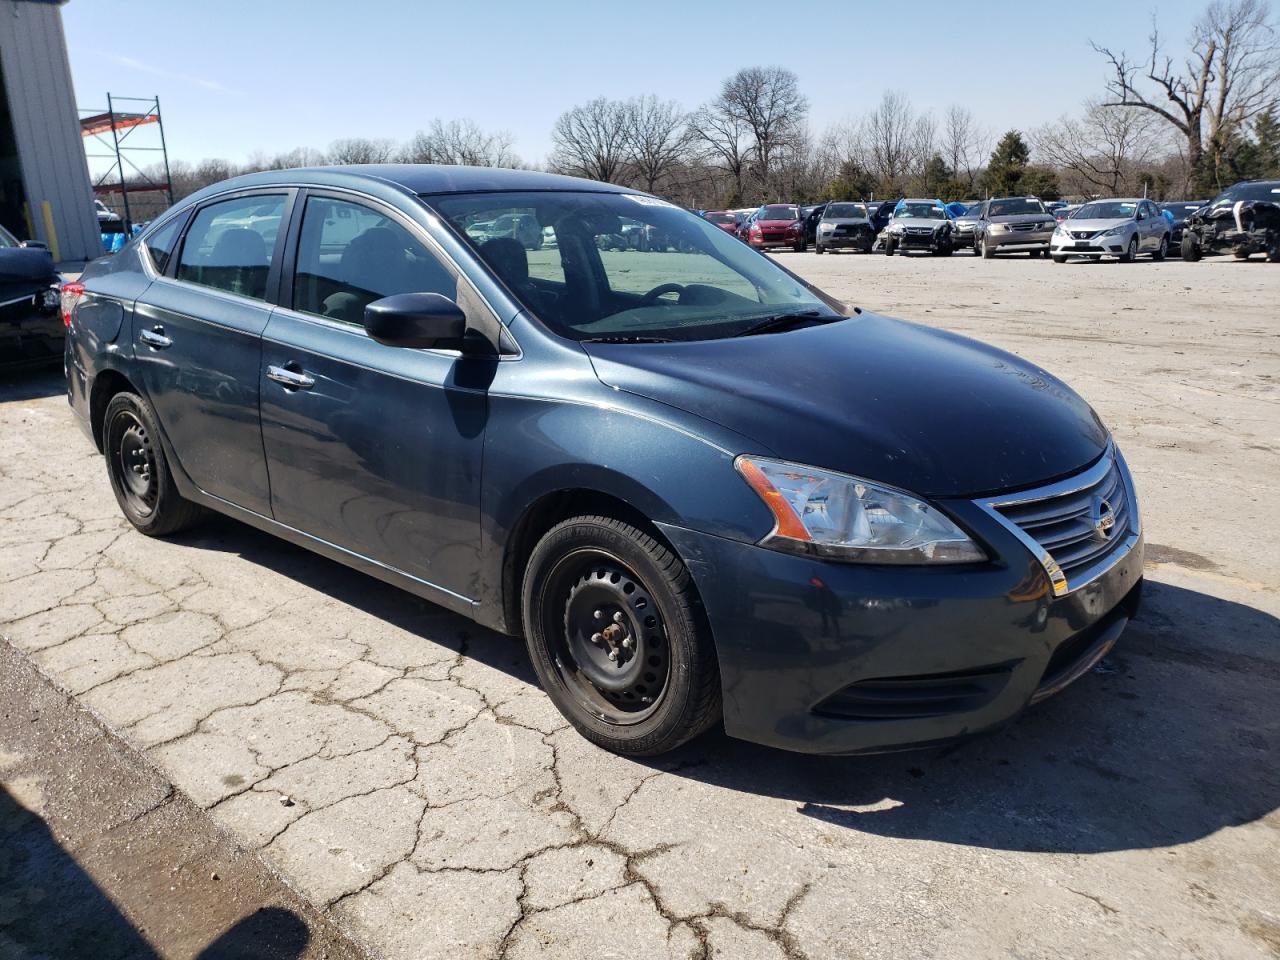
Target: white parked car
[[1112, 228]]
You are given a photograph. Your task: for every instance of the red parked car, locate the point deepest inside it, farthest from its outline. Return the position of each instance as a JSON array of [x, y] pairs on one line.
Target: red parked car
[[726, 220], [775, 225]]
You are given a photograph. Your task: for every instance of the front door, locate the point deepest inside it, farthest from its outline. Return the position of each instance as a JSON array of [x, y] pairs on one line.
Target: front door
[[198, 344], [372, 448]]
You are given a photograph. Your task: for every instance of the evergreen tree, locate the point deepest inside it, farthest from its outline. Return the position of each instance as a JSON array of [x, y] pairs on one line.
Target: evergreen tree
[[1007, 164], [1266, 137]]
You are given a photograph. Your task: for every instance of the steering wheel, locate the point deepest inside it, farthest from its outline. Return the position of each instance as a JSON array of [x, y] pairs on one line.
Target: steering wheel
[[660, 290]]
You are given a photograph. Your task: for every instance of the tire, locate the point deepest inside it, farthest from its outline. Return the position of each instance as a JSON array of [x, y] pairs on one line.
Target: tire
[[138, 471], [1130, 252], [1240, 253], [1273, 250], [988, 251], [800, 247], [889, 247], [589, 571], [1190, 249], [819, 249], [1162, 250], [946, 251], [1059, 259]]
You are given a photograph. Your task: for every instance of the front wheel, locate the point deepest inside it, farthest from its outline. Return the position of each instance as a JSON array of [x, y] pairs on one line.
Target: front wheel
[[1130, 252], [889, 247], [613, 629], [988, 251], [139, 473], [1058, 258], [1273, 249], [1162, 250], [819, 249], [1190, 249]]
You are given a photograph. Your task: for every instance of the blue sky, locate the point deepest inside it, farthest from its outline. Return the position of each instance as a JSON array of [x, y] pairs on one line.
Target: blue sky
[[236, 76]]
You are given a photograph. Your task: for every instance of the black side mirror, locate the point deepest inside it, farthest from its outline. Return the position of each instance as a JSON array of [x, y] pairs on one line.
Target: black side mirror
[[34, 244], [416, 320]]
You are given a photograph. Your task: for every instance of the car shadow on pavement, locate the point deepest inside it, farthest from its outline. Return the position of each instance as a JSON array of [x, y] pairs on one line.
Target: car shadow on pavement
[[53, 908], [19, 385], [1174, 736]]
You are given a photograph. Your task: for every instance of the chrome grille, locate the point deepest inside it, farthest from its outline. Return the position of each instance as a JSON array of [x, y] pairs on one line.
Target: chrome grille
[[1067, 521]]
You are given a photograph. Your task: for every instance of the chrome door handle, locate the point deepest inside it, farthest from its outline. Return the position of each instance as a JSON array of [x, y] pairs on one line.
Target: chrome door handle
[[155, 338], [292, 379]]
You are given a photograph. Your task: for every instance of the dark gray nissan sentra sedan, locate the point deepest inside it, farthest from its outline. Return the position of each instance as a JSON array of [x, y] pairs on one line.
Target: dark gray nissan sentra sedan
[[700, 488]]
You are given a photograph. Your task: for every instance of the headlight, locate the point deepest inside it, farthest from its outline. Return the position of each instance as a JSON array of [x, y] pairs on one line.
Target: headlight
[[826, 227], [845, 518], [896, 228], [1116, 231]]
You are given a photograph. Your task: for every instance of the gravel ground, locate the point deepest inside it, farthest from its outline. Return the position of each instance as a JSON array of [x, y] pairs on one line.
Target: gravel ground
[[400, 767]]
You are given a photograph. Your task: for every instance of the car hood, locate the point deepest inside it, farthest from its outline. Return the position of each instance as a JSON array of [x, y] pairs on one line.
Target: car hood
[[1092, 225], [912, 406], [1023, 218], [25, 263], [931, 223], [775, 224]]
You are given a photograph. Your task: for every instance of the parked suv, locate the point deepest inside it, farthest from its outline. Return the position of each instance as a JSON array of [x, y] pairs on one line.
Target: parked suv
[[919, 225], [1244, 219], [845, 226], [702, 490], [775, 225], [1012, 225]]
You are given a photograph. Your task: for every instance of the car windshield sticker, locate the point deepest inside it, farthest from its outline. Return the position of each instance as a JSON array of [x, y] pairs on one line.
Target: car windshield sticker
[[648, 201]]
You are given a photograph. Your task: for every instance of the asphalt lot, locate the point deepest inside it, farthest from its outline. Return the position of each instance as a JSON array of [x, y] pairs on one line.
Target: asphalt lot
[[400, 769]]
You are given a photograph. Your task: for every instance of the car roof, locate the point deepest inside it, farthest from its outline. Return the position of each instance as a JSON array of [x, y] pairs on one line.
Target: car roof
[[418, 178]]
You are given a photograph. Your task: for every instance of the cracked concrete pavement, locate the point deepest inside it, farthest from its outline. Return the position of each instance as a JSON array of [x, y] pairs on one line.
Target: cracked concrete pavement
[[399, 767]]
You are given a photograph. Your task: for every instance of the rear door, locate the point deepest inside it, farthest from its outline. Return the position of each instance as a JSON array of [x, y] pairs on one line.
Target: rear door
[[372, 448], [198, 342]]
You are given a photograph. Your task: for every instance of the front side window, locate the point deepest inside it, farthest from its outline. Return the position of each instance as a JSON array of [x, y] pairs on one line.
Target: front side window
[[1016, 207], [626, 267], [160, 243], [350, 255], [229, 245]]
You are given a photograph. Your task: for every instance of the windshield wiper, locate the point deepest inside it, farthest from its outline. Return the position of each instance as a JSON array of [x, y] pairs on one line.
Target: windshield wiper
[[783, 321], [620, 338]]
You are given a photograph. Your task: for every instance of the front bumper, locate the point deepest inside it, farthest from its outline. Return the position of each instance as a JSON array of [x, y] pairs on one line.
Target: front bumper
[[1093, 247], [833, 658], [1019, 240], [840, 241], [932, 242]]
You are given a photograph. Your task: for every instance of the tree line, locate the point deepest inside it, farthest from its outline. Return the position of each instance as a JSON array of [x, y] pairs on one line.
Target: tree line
[[1173, 121]]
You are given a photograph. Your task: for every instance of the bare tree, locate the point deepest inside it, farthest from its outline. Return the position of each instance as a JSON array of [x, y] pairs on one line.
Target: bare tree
[[725, 145], [590, 140], [767, 102], [888, 135], [461, 142], [657, 139], [360, 150], [964, 144], [1229, 74], [1105, 150]]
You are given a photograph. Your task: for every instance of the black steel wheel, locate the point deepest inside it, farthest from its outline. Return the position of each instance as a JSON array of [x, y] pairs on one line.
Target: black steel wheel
[[613, 630], [138, 471]]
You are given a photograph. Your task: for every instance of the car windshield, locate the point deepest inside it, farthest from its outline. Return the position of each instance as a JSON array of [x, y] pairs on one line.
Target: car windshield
[[1015, 207], [628, 268], [779, 212], [845, 210], [1182, 209], [7, 239], [920, 211], [1107, 210], [1266, 190]]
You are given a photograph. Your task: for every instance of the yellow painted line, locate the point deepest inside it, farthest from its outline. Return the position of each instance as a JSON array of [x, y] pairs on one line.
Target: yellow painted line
[[51, 235]]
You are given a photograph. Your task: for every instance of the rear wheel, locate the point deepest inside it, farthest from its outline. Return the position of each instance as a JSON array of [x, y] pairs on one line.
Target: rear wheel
[[139, 473], [1190, 249], [614, 632]]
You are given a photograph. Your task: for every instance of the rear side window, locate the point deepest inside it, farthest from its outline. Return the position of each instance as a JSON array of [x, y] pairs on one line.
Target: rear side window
[[160, 243], [350, 255], [229, 245]]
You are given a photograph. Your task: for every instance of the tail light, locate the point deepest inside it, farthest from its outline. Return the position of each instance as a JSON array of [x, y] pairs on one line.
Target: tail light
[[71, 294]]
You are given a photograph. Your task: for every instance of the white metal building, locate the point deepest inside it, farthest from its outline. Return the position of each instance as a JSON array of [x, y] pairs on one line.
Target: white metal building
[[44, 180]]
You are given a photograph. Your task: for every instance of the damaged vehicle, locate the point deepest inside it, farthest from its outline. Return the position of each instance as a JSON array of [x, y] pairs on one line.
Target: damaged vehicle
[[1243, 220], [922, 225], [31, 331]]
